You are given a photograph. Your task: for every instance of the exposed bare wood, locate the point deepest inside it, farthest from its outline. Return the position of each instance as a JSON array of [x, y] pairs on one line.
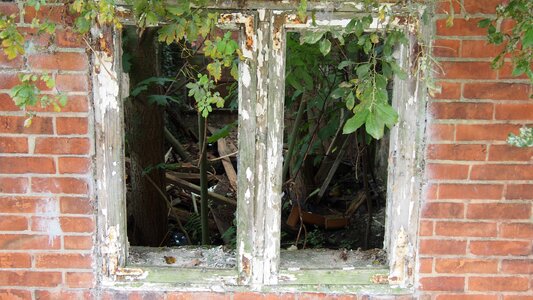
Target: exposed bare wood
[[332, 170], [185, 184], [110, 171], [177, 145], [223, 151]]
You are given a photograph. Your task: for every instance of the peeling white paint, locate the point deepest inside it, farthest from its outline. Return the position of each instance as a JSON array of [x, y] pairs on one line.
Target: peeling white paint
[[107, 85], [245, 114], [245, 74], [249, 174]]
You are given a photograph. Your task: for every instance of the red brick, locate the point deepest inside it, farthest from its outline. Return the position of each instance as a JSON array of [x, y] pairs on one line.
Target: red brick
[[71, 126], [496, 91], [461, 27], [432, 247], [448, 91], [20, 204], [502, 211], [447, 171], [506, 71], [481, 7], [72, 83], [442, 210], [12, 124], [446, 48], [30, 278], [447, 7], [63, 261], [517, 266], [76, 205], [59, 185], [484, 132], [517, 297], [426, 265], [507, 283], [466, 229], [11, 185], [426, 228], [431, 191], [77, 224], [74, 165], [15, 260], [13, 223], [479, 49], [519, 192], [80, 279], [457, 152], [62, 145], [6, 103], [8, 80], [248, 295], [502, 172], [470, 191], [6, 63], [65, 61], [466, 70], [285, 296], [510, 153], [28, 242], [514, 112], [442, 283], [13, 145], [63, 295], [197, 295], [463, 110], [324, 296], [78, 242], [500, 247], [467, 297], [68, 39], [33, 37], [517, 230], [8, 9], [52, 13], [463, 265], [11, 294], [441, 132], [21, 165]]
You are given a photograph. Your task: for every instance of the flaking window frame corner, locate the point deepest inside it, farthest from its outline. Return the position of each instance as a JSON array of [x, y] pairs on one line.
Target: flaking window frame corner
[[260, 127]]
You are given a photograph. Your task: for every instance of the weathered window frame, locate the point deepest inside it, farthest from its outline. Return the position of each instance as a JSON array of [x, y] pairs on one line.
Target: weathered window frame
[[260, 131]]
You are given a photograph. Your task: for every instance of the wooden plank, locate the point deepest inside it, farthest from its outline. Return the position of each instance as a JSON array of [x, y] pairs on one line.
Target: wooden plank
[[246, 145], [183, 183], [224, 153], [110, 170]]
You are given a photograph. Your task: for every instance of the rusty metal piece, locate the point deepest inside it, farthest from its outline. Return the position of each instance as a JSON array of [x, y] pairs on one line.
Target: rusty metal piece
[[380, 279]]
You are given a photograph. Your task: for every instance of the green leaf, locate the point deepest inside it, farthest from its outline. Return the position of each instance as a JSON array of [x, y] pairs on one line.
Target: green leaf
[[325, 46], [484, 23], [311, 36], [355, 122], [350, 101], [528, 38], [362, 70], [344, 64], [221, 133], [374, 125], [215, 70]]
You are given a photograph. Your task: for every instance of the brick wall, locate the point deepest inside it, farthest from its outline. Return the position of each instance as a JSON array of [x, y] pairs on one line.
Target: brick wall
[[47, 220], [476, 227], [476, 223]]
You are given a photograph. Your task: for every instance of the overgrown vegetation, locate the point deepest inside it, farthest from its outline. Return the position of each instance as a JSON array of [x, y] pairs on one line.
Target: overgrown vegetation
[[358, 77]]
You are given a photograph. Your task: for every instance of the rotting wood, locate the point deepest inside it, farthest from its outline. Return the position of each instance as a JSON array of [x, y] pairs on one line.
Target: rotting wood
[[226, 161], [332, 170], [110, 172], [194, 187], [177, 145]]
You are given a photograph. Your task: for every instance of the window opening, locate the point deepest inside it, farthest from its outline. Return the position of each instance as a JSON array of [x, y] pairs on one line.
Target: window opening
[[163, 153], [330, 178], [260, 126]]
